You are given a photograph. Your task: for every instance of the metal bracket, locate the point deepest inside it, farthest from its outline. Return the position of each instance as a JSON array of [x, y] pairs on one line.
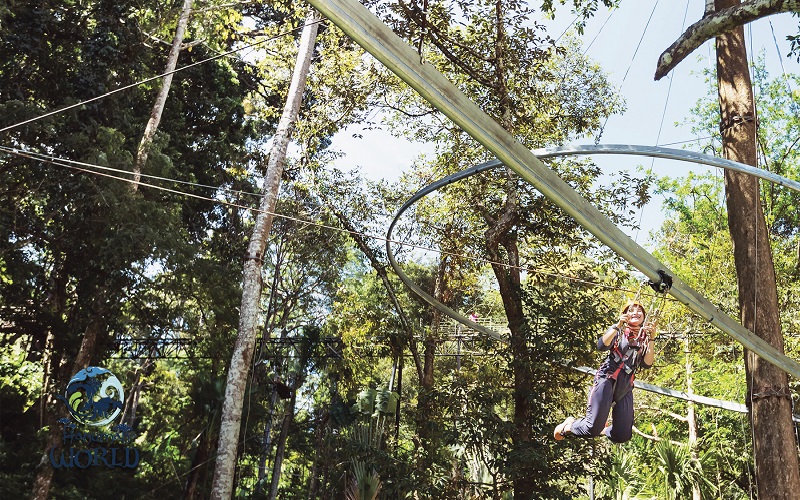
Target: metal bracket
[[781, 392], [733, 121], [663, 284]]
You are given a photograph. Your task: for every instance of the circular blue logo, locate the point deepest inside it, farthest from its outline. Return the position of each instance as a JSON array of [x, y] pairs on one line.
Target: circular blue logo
[[94, 396]]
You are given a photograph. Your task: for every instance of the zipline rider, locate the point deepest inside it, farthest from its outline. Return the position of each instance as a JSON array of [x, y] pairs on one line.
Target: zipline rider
[[630, 346]]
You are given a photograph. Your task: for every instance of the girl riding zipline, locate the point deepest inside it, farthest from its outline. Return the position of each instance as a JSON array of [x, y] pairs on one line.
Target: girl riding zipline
[[630, 345]]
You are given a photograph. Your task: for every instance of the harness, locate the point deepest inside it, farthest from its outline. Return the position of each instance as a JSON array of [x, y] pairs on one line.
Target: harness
[[622, 357], [634, 345], [661, 287]]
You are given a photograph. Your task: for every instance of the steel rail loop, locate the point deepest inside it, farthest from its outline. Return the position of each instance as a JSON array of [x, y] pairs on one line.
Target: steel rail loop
[[624, 149], [652, 151]]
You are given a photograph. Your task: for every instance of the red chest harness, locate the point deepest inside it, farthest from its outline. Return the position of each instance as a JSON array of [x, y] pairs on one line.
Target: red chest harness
[[634, 345]]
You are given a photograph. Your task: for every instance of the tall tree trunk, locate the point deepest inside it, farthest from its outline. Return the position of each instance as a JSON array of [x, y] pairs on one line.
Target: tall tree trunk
[[55, 370], [134, 395], [161, 99], [281, 445], [774, 446], [426, 403], [509, 282], [508, 276], [88, 348], [198, 469], [299, 379], [266, 440], [320, 429], [251, 280], [691, 417], [44, 471]]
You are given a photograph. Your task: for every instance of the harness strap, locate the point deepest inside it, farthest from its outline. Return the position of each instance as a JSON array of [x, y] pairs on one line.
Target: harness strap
[[621, 359]]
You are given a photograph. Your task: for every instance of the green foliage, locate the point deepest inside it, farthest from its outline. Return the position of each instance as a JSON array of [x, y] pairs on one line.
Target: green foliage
[[81, 251], [622, 478], [158, 266], [679, 472], [584, 8]]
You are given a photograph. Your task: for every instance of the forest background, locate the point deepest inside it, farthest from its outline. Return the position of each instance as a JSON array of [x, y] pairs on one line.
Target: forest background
[[151, 273]]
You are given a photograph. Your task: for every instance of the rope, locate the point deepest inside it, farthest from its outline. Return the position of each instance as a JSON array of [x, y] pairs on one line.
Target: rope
[[312, 223]]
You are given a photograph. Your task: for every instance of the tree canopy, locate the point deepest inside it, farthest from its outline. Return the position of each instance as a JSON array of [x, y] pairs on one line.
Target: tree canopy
[[356, 389]]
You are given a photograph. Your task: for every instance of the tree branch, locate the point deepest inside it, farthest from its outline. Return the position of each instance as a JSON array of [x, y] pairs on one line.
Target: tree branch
[[655, 438], [716, 24], [380, 269], [665, 412], [443, 42]]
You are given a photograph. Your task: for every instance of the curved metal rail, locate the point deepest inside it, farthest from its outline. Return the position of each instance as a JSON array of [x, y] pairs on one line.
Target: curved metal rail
[[624, 149]]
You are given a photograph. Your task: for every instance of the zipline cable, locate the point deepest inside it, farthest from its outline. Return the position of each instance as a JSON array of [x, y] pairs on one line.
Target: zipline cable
[[88, 170], [663, 115], [55, 160], [614, 9], [669, 87], [570, 25], [633, 57], [638, 45], [132, 85]]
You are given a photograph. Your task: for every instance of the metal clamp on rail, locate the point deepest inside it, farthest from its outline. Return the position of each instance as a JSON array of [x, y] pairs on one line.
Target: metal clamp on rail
[[663, 284]]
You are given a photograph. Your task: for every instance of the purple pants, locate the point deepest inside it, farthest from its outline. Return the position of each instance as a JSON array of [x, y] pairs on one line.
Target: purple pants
[[601, 398]]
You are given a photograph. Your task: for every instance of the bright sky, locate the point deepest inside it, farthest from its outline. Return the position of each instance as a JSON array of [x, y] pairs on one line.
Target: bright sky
[[627, 43]]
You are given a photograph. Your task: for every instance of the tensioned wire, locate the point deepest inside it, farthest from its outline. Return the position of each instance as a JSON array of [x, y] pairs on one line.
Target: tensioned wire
[[633, 57], [751, 69], [87, 168], [152, 78], [614, 9], [669, 88], [239, 49], [666, 103], [780, 59]]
